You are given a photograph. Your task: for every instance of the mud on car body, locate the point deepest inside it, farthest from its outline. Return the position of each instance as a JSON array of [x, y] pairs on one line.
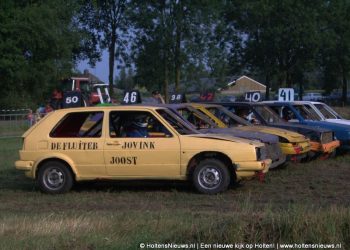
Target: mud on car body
[[322, 140], [294, 145], [203, 124], [131, 142]]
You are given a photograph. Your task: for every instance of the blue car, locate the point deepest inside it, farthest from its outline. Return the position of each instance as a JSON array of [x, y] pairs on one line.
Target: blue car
[[298, 113]]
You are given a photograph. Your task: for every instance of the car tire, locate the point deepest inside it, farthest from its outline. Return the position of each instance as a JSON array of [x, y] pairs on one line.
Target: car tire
[[54, 177], [211, 176]]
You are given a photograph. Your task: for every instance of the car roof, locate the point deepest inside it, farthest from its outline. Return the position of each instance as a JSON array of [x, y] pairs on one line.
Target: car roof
[[207, 105], [112, 107], [240, 103], [295, 102]]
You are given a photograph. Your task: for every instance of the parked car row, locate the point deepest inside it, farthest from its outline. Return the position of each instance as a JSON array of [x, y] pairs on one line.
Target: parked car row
[[211, 145]]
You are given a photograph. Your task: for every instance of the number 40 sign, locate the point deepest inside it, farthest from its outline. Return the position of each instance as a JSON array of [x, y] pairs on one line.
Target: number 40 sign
[[286, 95]]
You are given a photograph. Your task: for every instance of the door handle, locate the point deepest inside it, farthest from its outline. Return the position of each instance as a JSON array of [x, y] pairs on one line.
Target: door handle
[[115, 143]]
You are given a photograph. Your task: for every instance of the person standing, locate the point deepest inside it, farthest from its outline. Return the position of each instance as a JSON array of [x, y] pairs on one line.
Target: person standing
[[157, 97]]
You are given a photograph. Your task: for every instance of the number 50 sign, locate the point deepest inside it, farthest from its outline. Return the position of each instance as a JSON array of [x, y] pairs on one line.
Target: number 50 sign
[[286, 95]]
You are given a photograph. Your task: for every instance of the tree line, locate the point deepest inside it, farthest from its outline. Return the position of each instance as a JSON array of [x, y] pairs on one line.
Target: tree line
[[158, 43]]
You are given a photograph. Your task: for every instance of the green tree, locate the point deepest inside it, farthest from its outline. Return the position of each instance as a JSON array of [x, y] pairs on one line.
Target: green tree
[[278, 37], [109, 22], [335, 53], [38, 45], [171, 39], [125, 79]]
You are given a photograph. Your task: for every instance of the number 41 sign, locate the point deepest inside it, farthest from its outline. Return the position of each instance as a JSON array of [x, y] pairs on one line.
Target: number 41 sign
[[286, 95]]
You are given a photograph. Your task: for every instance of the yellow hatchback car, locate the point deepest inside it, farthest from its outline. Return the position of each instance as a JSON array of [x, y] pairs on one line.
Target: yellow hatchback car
[[133, 142], [294, 145]]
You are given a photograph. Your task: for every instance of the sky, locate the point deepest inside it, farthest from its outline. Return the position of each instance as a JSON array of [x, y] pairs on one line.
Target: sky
[[101, 68]]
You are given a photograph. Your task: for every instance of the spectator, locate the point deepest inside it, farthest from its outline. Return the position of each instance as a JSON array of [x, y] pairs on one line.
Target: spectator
[[48, 108], [57, 97], [157, 97], [30, 118]]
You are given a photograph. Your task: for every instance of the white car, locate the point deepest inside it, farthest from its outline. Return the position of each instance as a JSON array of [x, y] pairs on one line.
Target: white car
[[324, 112], [328, 114]]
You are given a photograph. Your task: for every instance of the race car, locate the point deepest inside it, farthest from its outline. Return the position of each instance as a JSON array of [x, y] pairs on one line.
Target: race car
[[204, 125], [296, 112], [325, 112], [323, 142], [133, 142], [294, 145]]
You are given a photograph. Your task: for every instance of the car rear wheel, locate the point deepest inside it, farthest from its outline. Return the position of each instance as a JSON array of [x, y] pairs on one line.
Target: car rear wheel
[[211, 176], [54, 178]]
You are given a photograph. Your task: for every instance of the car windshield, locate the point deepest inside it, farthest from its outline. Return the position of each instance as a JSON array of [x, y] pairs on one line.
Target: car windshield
[[196, 118], [307, 112], [230, 119], [327, 111], [267, 114], [176, 122]]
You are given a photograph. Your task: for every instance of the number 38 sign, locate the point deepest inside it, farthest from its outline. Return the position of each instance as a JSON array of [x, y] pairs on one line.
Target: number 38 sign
[[286, 95]]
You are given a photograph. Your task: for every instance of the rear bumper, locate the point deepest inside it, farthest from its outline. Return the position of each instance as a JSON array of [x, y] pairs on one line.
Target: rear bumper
[[26, 166]]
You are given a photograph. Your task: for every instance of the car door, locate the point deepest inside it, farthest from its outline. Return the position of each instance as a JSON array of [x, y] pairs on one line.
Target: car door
[[138, 144]]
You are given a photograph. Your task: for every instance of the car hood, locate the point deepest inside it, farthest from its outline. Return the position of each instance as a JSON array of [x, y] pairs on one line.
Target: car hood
[[329, 125], [289, 135], [252, 135], [224, 137], [339, 121], [314, 133]]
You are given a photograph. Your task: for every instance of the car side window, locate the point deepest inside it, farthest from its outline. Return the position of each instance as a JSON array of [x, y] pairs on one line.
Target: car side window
[[135, 124], [79, 125]]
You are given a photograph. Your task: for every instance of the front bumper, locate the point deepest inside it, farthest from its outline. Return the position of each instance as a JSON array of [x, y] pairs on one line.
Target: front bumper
[[274, 152], [295, 148], [278, 161], [326, 147], [297, 157], [247, 170]]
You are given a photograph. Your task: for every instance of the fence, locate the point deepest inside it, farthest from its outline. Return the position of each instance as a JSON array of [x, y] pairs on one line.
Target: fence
[[13, 122]]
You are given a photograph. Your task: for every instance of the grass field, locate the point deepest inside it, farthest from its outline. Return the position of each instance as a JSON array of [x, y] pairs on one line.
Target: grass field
[[301, 203]]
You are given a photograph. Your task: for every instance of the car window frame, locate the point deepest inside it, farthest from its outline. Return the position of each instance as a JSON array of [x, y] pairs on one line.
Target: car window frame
[[62, 119]]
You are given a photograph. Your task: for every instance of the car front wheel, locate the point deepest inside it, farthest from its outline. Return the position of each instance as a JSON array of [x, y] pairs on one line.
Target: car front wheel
[[54, 178], [211, 176]]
